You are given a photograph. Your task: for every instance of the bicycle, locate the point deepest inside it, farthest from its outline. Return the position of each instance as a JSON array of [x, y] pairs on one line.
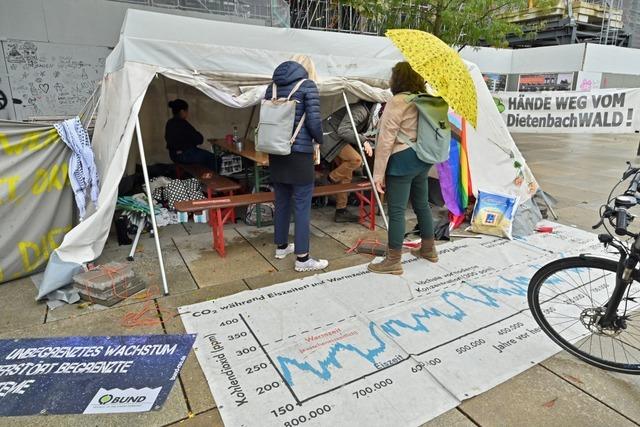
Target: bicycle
[[597, 319]]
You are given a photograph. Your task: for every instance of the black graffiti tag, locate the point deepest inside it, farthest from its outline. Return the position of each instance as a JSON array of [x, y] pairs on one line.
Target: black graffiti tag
[[3, 100]]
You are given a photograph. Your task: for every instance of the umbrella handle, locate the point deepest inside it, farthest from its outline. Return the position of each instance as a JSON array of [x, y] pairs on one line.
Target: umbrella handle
[[366, 164]]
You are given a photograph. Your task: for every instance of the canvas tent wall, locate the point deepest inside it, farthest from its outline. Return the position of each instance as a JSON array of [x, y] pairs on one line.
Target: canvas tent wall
[[231, 64]]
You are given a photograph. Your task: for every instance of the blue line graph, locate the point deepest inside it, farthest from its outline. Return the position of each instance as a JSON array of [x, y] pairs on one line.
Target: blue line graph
[[477, 294]]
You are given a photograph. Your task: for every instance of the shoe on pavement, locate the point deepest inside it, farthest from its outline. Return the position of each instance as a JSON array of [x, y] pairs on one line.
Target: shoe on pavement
[[283, 253], [344, 216], [311, 265], [391, 264], [426, 251]]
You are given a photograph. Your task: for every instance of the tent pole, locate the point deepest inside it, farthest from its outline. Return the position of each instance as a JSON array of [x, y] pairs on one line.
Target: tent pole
[[364, 160], [246, 133], [156, 237]]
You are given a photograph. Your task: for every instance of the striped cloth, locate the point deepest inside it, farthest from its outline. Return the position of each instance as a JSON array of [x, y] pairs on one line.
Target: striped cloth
[[83, 173]]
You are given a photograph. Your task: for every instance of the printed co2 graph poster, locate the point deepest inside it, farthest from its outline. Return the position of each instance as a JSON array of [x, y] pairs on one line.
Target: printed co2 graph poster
[[353, 348]]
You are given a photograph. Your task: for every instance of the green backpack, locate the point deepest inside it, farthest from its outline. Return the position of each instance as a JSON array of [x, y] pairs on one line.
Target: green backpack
[[434, 131]]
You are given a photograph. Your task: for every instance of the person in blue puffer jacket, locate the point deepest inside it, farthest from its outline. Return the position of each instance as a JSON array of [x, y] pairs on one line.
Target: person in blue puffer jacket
[[293, 175]]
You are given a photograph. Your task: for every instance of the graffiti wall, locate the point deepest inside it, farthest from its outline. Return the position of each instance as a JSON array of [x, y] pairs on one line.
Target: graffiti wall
[[48, 79]]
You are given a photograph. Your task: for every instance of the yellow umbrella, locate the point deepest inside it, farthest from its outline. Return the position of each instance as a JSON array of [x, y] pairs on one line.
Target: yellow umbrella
[[441, 67]]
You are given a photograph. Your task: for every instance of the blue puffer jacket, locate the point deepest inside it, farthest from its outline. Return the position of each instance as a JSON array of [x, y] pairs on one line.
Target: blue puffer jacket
[[285, 77]]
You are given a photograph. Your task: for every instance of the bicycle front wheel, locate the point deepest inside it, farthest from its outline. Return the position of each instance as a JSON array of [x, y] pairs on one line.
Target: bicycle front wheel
[[567, 298]]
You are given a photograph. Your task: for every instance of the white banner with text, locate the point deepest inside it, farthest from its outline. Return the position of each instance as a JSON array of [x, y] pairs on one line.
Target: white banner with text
[[599, 111], [349, 347]]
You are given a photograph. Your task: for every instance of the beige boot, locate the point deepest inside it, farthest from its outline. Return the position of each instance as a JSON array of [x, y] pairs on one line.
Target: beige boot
[[390, 265], [427, 250]]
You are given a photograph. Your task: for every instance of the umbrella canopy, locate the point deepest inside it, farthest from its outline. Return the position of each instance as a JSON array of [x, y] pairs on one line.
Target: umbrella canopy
[[442, 67]]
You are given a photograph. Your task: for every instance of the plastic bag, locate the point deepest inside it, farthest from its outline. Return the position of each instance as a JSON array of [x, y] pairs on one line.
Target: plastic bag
[[493, 214], [267, 210]]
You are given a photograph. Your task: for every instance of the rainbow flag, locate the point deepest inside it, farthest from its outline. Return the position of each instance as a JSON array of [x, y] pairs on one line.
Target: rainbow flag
[[455, 179]]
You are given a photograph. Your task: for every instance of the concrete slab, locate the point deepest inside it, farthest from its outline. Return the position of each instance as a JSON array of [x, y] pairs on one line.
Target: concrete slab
[[347, 261], [107, 322], [543, 170], [276, 277], [349, 234], [539, 398], [146, 268], [453, 418], [593, 182], [168, 232], [19, 306], [193, 380], [321, 246], [571, 196], [206, 419], [209, 269], [198, 228], [618, 391], [580, 216]]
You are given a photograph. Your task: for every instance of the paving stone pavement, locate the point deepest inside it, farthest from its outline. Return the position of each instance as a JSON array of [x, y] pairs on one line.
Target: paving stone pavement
[[577, 170]]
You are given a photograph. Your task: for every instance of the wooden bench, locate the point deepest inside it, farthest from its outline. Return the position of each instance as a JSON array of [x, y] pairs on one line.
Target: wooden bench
[[212, 182], [221, 208]]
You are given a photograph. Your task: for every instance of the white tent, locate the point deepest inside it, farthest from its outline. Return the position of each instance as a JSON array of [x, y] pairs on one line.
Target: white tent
[[226, 67]]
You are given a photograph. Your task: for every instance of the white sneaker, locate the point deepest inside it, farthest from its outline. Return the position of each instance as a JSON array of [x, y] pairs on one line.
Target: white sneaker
[[283, 253], [311, 265]]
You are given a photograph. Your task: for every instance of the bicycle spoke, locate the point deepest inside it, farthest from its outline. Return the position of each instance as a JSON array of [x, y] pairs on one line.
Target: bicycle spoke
[[622, 345], [578, 287], [590, 282], [585, 341], [607, 287], [590, 288], [560, 333], [564, 322], [623, 350]]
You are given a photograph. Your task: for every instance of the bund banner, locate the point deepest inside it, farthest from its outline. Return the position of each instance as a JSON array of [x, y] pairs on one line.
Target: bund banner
[[600, 111]]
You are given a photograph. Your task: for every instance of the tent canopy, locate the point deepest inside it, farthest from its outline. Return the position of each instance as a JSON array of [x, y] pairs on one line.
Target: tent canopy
[[228, 66], [229, 49]]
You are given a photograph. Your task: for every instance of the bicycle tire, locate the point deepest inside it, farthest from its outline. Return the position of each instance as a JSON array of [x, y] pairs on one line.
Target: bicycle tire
[[537, 311]]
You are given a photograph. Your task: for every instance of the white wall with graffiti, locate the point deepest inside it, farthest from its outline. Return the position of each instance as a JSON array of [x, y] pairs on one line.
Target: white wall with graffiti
[[49, 79], [7, 111], [52, 52]]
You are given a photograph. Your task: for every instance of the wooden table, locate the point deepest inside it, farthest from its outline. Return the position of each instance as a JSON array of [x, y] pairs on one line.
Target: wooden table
[[260, 161], [248, 151]]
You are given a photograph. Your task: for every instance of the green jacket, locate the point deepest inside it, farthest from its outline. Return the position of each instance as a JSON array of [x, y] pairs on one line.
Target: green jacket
[[338, 130]]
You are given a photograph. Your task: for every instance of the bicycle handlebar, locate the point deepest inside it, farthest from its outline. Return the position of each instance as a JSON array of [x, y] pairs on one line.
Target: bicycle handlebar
[[633, 187], [621, 222]]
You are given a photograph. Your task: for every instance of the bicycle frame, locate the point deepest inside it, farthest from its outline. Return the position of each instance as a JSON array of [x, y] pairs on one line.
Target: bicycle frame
[[624, 277]]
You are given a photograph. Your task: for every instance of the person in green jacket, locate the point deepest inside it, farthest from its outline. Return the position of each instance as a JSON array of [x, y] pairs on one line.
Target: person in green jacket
[[400, 174], [341, 146]]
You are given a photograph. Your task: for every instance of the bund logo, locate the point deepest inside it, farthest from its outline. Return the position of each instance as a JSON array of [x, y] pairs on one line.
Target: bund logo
[[122, 400]]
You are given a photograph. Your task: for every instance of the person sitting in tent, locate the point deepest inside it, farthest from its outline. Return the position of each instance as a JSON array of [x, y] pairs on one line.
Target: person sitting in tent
[[293, 175], [183, 139], [341, 146], [399, 172]]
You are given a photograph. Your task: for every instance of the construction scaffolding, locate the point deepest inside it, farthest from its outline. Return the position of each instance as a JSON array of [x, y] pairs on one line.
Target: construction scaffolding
[[274, 13], [330, 15], [571, 21]]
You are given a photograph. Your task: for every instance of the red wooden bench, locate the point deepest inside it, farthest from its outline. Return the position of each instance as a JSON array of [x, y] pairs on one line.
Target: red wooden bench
[[221, 208], [212, 182]]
